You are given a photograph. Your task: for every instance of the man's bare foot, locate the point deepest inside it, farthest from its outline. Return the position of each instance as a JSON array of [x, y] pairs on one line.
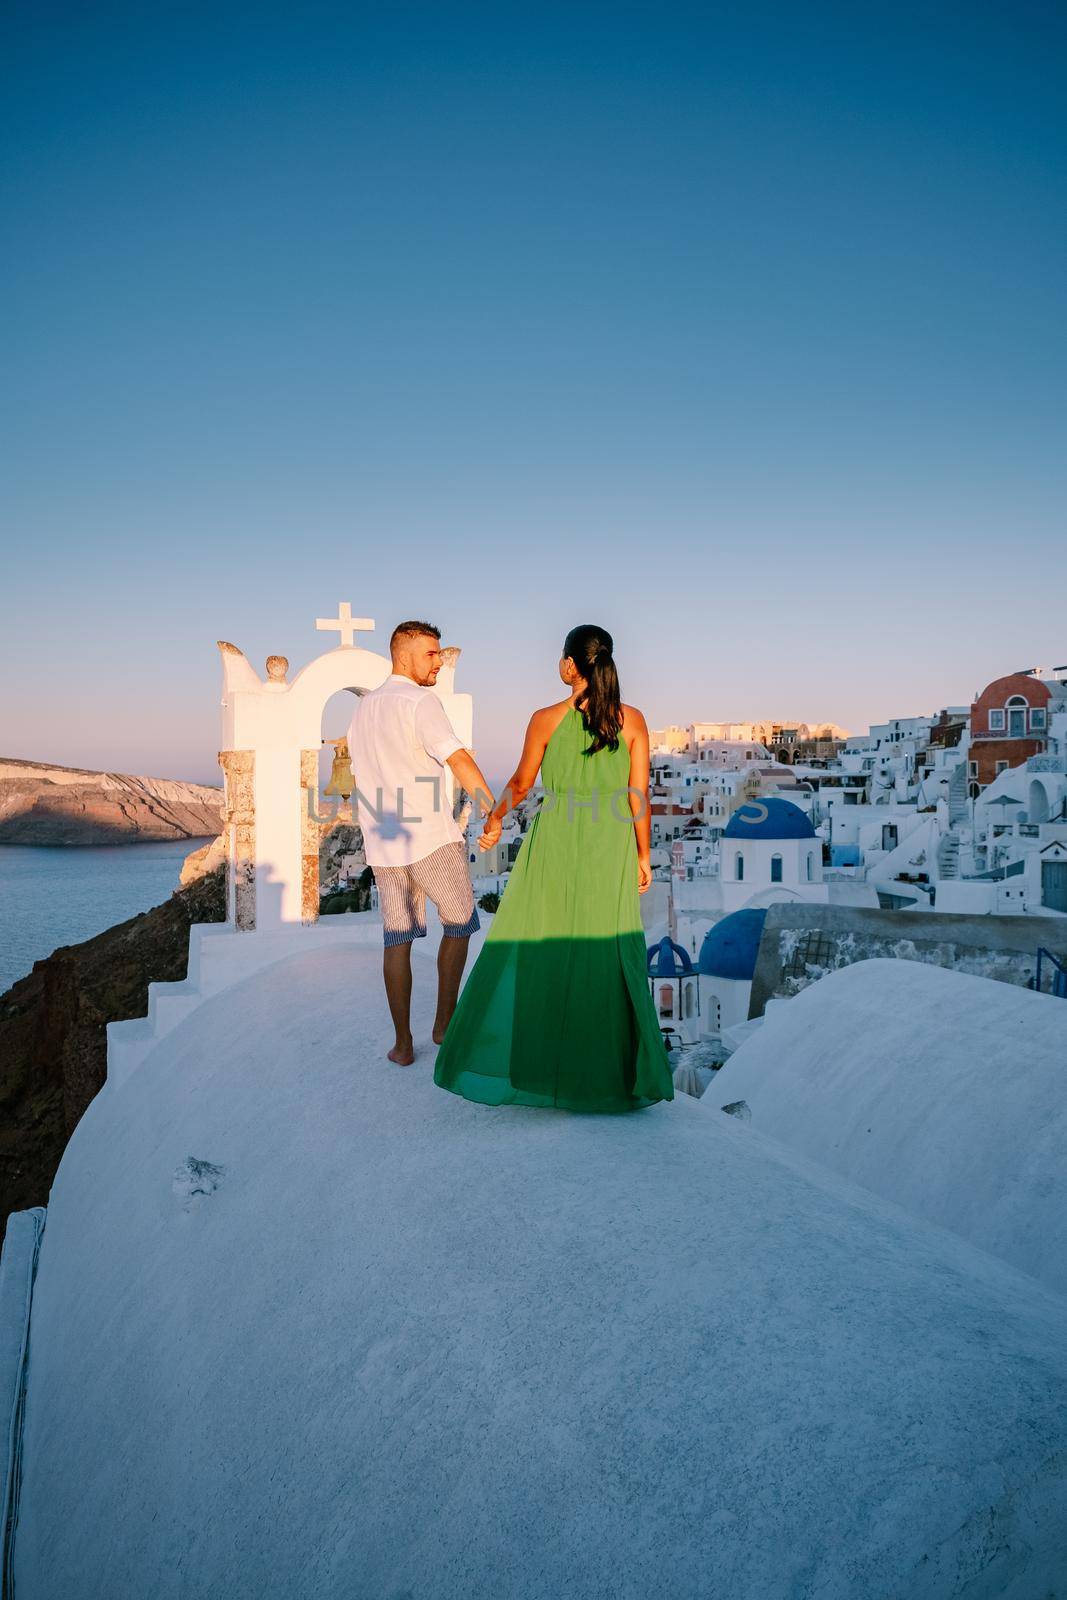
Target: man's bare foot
[[402, 1054], [439, 1033]]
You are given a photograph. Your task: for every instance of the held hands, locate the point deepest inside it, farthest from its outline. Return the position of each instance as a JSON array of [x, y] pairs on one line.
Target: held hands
[[490, 833], [644, 874]]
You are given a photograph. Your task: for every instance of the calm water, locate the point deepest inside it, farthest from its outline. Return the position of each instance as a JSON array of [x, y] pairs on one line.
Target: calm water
[[61, 896]]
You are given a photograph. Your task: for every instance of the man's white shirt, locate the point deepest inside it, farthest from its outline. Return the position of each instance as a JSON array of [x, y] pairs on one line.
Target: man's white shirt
[[399, 740]]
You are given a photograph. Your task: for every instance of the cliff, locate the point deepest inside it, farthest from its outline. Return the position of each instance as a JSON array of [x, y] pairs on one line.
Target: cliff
[[53, 1038], [43, 804]]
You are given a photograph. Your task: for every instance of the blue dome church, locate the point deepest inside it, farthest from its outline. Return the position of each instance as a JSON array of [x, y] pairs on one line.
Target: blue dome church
[[673, 980], [769, 848], [727, 963]]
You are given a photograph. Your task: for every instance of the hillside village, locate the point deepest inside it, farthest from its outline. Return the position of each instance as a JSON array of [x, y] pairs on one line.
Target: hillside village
[[962, 810], [961, 813]]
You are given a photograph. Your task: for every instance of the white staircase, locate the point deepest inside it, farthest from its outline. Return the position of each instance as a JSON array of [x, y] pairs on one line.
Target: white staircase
[[958, 807], [219, 957], [948, 855], [959, 813]]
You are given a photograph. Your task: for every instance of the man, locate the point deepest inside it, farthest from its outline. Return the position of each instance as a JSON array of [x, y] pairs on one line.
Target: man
[[400, 740]]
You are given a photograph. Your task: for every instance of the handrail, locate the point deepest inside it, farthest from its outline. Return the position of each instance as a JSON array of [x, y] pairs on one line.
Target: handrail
[[1058, 984]]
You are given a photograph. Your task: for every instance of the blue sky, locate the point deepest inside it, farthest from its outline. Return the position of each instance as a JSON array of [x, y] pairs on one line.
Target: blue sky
[[739, 330]]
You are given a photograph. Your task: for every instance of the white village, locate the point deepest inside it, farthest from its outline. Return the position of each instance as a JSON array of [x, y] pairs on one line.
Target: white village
[[296, 1323]]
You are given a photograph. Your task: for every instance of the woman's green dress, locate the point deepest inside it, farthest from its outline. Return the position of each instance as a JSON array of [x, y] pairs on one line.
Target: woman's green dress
[[557, 1010]]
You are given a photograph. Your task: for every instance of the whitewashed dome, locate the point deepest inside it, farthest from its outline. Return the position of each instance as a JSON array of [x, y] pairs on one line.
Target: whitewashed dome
[[377, 1343]]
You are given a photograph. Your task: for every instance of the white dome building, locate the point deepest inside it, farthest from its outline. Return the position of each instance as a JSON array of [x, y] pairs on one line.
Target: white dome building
[[769, 853]]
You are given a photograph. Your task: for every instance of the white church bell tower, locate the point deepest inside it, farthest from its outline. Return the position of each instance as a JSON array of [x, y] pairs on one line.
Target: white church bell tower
[[269, 755]]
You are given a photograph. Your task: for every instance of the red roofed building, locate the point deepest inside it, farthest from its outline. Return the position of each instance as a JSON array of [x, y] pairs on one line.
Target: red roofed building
[[1009, 723]]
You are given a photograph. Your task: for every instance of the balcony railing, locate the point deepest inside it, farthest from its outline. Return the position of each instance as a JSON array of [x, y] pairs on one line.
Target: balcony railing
[[1047, 764]]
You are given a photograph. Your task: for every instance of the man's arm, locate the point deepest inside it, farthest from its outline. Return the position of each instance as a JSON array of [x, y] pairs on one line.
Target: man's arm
[[439, 740], [468, 775]]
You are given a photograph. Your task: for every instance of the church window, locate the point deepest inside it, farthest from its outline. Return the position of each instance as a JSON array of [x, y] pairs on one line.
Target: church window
[[776, 869], [666, 1000], [811, 867], [739, 866]]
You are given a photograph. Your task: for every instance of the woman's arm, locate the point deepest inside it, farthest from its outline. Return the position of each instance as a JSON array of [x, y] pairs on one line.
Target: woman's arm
[[637, 738], [518, 786]]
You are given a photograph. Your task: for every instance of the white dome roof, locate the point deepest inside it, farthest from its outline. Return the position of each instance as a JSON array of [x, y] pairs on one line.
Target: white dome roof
[[968, 1129], [408, 1346]]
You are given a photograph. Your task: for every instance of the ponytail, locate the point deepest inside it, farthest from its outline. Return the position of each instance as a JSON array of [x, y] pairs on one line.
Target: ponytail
[[590, 649]]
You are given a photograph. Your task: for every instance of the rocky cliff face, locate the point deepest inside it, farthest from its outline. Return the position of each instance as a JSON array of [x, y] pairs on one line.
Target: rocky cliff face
[[53, 1040], [42, 804]]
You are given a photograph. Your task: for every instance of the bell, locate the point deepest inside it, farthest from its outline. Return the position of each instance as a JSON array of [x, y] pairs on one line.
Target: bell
[[341, 780]]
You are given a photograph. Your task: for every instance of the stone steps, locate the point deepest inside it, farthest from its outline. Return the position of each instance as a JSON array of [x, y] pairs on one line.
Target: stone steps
[[948, 856], [958, 805], [219, 957]]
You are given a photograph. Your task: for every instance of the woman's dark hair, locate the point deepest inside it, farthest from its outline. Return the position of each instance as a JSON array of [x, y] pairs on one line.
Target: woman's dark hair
[[590, 649]]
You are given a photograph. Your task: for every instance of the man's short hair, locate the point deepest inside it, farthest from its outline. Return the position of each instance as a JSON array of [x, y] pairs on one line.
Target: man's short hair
[[412, 630]]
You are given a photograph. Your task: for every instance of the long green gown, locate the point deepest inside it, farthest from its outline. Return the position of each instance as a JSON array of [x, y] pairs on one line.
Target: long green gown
[[556, 1010]]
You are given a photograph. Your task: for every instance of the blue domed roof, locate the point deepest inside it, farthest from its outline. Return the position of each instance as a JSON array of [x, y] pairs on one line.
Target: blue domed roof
[[769, 818], [668, 960], [731, 946]]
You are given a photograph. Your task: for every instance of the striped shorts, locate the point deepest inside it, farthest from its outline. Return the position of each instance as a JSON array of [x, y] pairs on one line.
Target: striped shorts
[[441, 877]]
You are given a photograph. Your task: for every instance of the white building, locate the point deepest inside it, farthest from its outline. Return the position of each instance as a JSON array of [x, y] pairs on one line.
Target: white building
[[731, 754], [668, 740]]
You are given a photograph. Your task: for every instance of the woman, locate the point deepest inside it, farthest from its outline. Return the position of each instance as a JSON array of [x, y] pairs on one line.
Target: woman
[[556, 1010]]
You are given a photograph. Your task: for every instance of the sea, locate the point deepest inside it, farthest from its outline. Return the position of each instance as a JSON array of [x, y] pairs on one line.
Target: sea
[[61, 895]]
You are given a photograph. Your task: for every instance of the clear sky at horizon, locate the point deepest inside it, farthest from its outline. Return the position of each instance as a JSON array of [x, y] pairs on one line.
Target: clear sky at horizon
[[739, 330]]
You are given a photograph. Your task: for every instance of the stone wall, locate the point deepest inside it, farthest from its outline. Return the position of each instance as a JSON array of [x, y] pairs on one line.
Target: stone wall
[[239, 817], [801, 943], [309, 836], [53, 1029]]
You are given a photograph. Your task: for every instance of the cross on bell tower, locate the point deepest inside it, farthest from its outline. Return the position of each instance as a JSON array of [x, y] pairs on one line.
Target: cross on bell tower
[[346, 624]]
